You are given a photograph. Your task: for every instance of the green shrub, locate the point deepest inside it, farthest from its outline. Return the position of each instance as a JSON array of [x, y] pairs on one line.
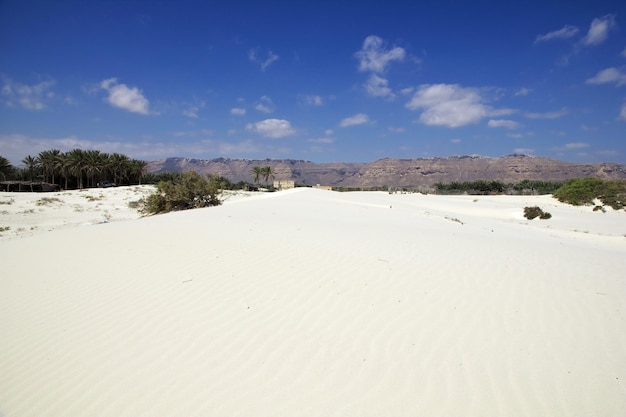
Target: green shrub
[[578, 191], [545, 215], [533, 212], [582, 191], [188, 190]]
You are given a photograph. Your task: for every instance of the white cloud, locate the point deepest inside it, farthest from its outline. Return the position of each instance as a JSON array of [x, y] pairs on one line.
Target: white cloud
[[30, 97], [565, 32], [623, 53], [378, 87], [608, 75], [451, 105], [374, 57], [396, 129], [357, 119], [599, 30], [622, 113], [265, 105], [548, 115], [455, 141], [311, 100], [126, 98], [407, 91], [576, 145], [263, 63], [272, 128], [509, 124], [238, 111], [522, 92], [328, 132], [192, 111]]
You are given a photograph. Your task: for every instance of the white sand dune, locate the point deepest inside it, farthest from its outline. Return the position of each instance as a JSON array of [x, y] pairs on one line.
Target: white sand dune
[[316, 303], [27, 214]]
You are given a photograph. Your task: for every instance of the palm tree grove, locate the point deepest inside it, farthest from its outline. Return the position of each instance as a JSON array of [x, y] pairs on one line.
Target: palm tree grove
[[74, 169]]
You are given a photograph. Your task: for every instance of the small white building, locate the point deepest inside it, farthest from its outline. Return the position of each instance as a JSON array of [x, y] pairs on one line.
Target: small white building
[[284, 184]]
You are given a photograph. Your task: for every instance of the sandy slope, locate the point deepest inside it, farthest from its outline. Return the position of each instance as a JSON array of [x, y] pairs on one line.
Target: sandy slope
[[27, 214], [311, 303]]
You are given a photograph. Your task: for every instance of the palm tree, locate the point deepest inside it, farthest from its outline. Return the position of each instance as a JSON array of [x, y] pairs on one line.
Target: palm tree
[[257, 171], [48, 161], [63, 167], [77, 163], [31, 165], [94, 163], [267, 173], [5, 167], [118, 164], [138, 169]]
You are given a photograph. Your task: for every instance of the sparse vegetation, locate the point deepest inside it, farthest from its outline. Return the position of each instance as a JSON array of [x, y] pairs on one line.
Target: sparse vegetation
[[534, 212], [5, 228], [454, 219], [189, 190], [137, 205], [92, 198], [583, 191], [47, 201]]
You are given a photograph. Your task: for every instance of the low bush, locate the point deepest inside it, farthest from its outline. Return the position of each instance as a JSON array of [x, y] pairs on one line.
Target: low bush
[[188, 190], [534, 212], [583, 191]]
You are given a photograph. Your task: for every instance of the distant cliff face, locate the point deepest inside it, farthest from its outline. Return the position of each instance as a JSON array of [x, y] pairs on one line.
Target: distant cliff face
[[398, 172]]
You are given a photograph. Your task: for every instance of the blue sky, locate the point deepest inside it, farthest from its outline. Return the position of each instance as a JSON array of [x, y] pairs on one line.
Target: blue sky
[[321, 81]]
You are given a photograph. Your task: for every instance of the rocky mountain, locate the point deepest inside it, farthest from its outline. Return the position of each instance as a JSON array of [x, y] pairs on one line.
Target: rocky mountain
[[398, 172]]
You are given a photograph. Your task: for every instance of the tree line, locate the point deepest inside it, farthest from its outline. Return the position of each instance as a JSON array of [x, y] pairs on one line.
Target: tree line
[[498, 187], [77, 168]]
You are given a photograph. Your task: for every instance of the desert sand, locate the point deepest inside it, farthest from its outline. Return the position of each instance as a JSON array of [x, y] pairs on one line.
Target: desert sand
[[312, 303]]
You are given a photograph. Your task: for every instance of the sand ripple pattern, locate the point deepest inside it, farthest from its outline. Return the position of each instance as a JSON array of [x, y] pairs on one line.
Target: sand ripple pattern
[[315, 303]]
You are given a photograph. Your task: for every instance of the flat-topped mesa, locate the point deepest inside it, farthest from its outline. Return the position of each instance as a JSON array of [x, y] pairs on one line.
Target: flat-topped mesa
[[417, 172]]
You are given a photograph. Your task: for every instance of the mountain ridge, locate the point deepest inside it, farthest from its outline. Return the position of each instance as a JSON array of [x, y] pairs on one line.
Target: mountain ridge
[[417, 172]]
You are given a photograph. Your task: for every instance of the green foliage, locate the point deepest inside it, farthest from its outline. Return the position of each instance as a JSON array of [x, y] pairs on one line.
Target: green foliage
[[497, 187], [257, 172], [582, 191], [579, 191], [534, 212], [264, 172], [539, 187], [188, 190], [6, 169], [77, 168]]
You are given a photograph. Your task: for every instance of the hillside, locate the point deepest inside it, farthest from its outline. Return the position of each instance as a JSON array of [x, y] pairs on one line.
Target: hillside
[[398, 172]]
